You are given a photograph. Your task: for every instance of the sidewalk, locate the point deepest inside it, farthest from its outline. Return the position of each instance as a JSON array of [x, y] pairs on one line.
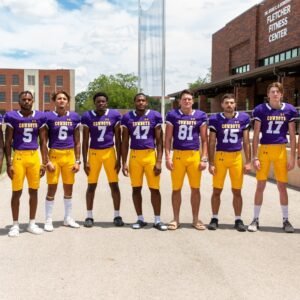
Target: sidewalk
[[105, 262]]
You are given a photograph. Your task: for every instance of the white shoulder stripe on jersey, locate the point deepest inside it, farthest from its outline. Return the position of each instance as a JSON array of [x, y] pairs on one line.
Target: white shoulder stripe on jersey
[[169, 123], [117, 123], [257, 119], [158, 124], [8, 124], [212, 127]]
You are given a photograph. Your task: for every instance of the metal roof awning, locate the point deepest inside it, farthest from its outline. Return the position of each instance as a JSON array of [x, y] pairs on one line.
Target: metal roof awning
[[279, 69]]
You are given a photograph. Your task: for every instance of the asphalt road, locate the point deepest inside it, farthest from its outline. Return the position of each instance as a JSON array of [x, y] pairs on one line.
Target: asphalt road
[[105, 262]]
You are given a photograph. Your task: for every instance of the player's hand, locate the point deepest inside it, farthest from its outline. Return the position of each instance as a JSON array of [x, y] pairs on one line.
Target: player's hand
[[118, 166], [169, 164], [212, 170], [10, 171], [86, 168], [247, 168], [157, 168], [42, 170], [125, 170], [291, 164], [202, 165], [256, 164], [50, 167], [75, 168]]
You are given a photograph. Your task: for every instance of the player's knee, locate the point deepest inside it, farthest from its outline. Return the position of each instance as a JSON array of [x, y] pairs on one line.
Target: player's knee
[[236, 192], [114, 186], [217, 192], [91, 187], [136, 190], [154, 191]]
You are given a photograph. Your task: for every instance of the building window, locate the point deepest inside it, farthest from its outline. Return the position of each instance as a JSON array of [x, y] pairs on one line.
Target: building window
[[46, 97], [282, 56], [288, 54], [2, 79], [241, 69], [15, 97], [46, 80], [59, 81], [15, 79], [30, 80], [295, 52], [2, 96]]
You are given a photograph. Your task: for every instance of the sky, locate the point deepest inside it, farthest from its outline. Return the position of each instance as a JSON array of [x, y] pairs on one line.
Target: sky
[[96, 37]]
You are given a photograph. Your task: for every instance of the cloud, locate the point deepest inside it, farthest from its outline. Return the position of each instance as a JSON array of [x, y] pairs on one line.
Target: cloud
[[100, 36]]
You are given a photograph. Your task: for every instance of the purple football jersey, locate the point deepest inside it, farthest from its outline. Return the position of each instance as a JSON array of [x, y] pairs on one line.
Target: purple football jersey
[[26, 129], [274, 122], [229, 132], [101, 127], [142, 128], [186, 128], [61, 129], [1, 119]]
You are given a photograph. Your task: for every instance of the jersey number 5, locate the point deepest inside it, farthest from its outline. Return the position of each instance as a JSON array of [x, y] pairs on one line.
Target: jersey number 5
[[27, 135]]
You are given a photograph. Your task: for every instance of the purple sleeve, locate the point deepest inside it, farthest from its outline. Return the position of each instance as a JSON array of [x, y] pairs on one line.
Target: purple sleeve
[[212, 124], [170, 118], [85, 119], [118, 118], [124, 120], [293, 114], [256, 113], [158, 119], [204, 119], [8, 120]]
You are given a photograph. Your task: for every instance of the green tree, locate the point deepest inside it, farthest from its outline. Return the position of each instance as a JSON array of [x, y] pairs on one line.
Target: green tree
[[200, 80], [120, 89]]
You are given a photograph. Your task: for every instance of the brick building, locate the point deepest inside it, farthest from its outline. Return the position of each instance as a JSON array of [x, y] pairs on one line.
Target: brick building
[[42, 83], [258, 47]]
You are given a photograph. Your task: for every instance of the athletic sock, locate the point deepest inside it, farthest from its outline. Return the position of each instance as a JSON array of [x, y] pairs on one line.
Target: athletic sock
[[285, 212], [32, 222], [156, 219], [237, 218], [256, 211], [49, 209], [15, 223], [116, 213], [215, 216], [141, 218], [89, 214], [68, 207]]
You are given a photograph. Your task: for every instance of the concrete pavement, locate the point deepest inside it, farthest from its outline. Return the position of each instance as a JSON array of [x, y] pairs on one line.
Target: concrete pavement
[[105, 262]]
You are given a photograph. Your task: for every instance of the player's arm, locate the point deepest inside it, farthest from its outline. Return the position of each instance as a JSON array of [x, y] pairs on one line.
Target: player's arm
[[76, 136], [117, 131], [124, 150], [7, 148], [255, 142], [292, 133], [212, 140], [168, 143], [43, 137], [1, 148], [85, 149], [159, 149], [247, 150], [204, 147]]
